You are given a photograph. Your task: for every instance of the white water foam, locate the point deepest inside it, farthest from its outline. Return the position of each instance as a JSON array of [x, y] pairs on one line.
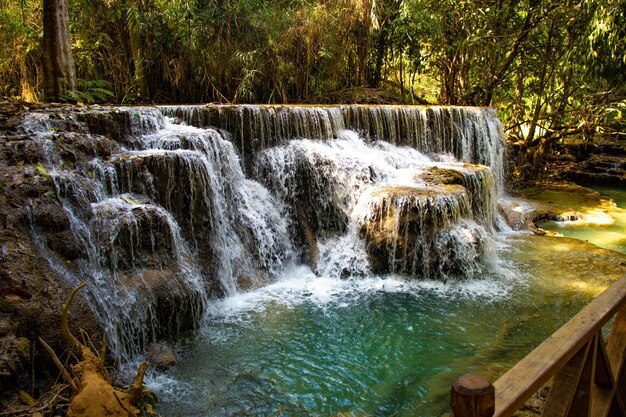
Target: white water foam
[[190, 179], [300, 285]]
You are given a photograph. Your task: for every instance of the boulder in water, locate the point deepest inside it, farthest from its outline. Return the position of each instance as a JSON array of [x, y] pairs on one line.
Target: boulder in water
[[410, 230], [162, 355]]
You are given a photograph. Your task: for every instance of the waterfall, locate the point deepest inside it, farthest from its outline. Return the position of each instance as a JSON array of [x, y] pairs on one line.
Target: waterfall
[[172, 206], [165, 222], [470, 134], [380, 204]]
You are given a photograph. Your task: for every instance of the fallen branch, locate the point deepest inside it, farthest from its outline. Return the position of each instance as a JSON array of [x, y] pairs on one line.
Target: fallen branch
[[66, 375]]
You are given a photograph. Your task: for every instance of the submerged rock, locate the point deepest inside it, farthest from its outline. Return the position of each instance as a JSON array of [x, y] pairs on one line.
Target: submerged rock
[[575, 264], [162, 355]]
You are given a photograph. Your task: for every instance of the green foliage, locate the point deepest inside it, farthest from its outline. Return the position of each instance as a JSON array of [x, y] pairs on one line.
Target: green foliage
[[552, 68], [94, 91], [20, 34]]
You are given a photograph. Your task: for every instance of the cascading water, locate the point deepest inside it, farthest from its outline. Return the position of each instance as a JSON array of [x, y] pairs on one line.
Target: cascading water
[[333, 260], [173, 207], [165, 224], [470, 135], [381, 204]]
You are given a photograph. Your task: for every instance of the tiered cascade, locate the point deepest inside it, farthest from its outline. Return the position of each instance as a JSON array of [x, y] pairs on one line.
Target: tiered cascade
[[471, 135], [169, 207]]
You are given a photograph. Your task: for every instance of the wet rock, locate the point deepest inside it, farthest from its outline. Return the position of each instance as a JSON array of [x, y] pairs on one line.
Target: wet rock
[[311, 249], [599, 169], [478, 180], [132, 236], [72, 147], [449, 176], [23, 151], [551, 201], [162, 355], [177, 308], [64, 243], [7, 326], [513, 214], [121, 124], [591, 163], [305, 181], [14, 358], [409, 230], [50, 216]]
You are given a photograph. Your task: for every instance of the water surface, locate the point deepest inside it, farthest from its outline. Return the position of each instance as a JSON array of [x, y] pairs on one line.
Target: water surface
[[603, 225], [379, 346]]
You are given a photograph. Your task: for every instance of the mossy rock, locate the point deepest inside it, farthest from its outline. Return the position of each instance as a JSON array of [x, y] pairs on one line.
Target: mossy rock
[[445, 176]]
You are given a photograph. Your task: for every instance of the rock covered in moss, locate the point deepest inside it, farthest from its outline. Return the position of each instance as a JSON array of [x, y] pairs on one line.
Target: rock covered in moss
[[421, 231]]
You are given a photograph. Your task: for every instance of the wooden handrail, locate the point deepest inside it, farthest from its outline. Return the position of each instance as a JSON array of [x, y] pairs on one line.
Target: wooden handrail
[[581, 339]]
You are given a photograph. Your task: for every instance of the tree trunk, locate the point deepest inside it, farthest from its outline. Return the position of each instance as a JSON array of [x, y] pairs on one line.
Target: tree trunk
[[138, 59], [58, 63], [515, 51], [381, 52]]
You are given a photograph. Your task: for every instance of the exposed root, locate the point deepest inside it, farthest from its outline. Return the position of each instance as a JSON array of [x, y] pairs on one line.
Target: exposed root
[[136, 388], [64, 316], [94, 396]]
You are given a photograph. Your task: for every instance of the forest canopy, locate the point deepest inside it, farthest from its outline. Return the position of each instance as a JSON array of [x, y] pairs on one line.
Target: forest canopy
[[552, 68]]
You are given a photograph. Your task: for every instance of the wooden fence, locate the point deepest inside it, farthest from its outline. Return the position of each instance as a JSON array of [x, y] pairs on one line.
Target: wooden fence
[[588, 371]]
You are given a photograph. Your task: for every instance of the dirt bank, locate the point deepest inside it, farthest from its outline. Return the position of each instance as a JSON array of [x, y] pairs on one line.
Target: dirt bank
[[31, 290]]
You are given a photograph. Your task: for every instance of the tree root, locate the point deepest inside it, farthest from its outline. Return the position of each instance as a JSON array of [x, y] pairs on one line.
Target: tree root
[[64, 316], [93, 394]]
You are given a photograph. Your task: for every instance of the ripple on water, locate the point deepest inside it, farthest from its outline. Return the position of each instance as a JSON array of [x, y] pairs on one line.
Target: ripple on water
[[309, 345]]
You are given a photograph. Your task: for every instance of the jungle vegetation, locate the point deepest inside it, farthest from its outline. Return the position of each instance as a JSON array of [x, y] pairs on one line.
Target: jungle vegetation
[[552, 68]]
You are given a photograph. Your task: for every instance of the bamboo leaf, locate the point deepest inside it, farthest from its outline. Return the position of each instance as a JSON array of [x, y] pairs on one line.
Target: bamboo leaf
[[42, 171], [27, 398], [129, 200]]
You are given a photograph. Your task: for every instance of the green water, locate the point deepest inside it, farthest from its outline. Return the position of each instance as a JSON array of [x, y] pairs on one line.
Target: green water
[[385, 346], [310, 346], [605, 224]]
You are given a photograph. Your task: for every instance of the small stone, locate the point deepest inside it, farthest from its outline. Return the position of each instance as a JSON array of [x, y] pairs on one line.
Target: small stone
[[17, 180], [162, 355], [22, 348]]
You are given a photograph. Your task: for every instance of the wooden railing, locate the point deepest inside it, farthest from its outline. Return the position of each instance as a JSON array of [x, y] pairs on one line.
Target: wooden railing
[[589, 379]]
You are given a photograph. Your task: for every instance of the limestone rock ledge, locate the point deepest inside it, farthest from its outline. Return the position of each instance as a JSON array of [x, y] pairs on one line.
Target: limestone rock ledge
[[421, 231]]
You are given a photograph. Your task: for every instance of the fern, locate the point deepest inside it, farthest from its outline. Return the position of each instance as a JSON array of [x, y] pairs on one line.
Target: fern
[[90, 91]]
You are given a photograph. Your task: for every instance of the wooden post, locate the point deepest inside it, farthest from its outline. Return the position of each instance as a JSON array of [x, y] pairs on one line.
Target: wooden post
[[472, 396]]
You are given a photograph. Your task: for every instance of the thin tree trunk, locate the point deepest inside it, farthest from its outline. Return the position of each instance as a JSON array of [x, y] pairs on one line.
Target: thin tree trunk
[[58, 63], [542, 85], [136, 47], [515, 50], [381, 52]]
